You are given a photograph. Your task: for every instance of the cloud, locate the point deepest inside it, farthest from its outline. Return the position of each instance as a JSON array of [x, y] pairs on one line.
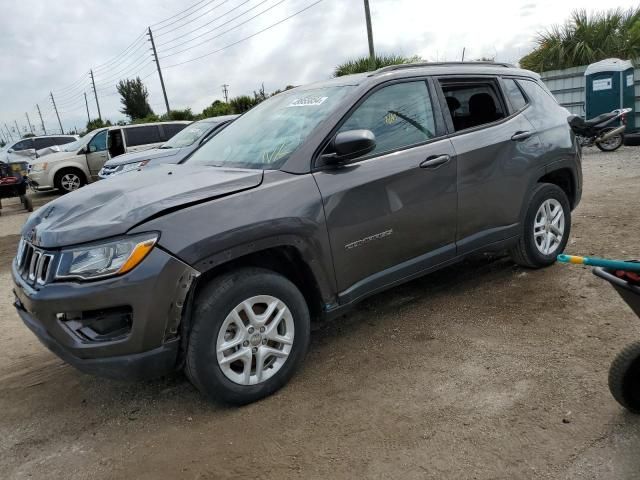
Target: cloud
[[50, 46]]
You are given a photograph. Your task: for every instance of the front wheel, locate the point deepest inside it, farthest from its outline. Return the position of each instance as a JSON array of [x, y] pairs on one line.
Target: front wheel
[[69, 179], [611, 144], [547, 224], [250, 333], [624, 378]]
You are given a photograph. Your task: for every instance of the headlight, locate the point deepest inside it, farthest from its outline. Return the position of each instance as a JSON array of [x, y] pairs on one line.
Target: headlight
[[106, 259], [38, 167]]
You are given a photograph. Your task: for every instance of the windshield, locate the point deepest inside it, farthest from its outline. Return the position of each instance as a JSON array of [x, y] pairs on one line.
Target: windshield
[[188, 135], [265, 136], [78, 144]]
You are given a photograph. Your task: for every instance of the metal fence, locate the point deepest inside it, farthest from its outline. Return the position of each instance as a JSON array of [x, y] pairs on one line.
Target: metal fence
[[568, 87]]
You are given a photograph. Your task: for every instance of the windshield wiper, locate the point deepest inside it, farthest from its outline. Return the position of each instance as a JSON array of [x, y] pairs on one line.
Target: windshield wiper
[[164, 147]]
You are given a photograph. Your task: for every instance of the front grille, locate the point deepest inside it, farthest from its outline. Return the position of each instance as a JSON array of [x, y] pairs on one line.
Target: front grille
[[34, 264]]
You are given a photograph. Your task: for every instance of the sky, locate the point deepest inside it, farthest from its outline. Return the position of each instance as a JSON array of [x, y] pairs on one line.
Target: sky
[[51, 46]]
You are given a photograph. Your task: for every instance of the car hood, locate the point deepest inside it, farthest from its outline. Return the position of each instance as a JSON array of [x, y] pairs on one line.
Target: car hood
[[105, 209], [54, 156], [143, 155]]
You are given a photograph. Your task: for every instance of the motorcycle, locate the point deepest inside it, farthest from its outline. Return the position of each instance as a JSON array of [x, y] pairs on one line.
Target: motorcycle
[[599, 132]]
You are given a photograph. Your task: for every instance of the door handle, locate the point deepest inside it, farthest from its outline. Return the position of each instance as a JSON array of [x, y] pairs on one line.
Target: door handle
[[435, 161], [521, 136]]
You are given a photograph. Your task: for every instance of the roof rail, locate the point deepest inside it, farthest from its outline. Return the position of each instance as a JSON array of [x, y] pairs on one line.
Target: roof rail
[[402, 66]]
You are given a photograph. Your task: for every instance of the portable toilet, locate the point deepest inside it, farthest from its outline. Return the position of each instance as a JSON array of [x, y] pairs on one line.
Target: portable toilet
[[609, 85]]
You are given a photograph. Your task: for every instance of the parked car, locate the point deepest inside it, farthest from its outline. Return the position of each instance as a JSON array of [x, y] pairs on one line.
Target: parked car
[[175, 150], [80, 162], [25, 148], [313, 200]]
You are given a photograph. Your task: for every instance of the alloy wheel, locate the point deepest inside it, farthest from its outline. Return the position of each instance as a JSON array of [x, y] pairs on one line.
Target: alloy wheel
[[255, 340], [70, 182], [548, 226]]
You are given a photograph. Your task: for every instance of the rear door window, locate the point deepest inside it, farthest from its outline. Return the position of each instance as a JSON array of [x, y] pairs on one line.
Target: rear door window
[[44, 142], [143, 135], [514, 94], [472, 104], [170, 129], [64, 140], [399, 115]]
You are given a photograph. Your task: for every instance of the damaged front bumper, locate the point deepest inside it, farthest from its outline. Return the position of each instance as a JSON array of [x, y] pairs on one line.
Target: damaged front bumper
[[123, 327]]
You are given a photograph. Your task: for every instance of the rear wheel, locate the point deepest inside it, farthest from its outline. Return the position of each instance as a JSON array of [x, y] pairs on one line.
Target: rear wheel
[[611, 144], [546, 229], [69, 179], [250, 333], [624, 378]]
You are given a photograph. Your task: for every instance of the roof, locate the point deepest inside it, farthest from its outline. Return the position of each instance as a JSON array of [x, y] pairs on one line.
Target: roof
[[608, 65]]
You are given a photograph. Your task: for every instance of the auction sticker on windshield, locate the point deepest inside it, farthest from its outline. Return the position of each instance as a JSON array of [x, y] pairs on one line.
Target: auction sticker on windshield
[[307, 102]]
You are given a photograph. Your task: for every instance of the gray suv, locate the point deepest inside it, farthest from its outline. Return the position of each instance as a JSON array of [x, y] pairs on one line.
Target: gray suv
[[313, 200]]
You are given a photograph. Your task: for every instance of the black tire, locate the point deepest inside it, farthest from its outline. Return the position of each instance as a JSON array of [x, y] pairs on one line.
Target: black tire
[[60, 185], [624, 378], [611, 145], [525, 252], [213, 303]]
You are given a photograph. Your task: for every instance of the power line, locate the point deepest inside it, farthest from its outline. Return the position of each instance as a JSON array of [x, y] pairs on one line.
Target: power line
[[231, 29], [180, 13], [193, 20], [247, 38], [113, 60], [133, 67], [211, 30]]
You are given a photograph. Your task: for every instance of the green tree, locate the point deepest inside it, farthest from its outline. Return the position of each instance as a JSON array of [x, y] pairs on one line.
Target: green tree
[[586, 38], [134, 98], [185, 114], [97, 123], [28, 135], [242, 103], [216, 109], [362, 64]]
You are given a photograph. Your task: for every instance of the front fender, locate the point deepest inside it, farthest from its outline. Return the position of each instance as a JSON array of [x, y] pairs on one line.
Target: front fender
[[284, 211]]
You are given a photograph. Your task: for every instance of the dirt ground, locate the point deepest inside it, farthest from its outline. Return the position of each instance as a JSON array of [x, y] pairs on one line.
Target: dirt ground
[[480, 371]]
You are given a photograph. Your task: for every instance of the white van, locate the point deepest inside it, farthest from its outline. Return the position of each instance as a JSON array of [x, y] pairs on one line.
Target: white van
[[79, 163]]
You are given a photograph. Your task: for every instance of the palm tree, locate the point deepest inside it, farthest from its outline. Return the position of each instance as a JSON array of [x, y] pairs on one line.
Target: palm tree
[[585, 39], [361, 65]]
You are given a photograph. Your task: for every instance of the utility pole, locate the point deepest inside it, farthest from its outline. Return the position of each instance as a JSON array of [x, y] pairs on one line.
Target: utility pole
[[57, 115], [225, 92], [29, 122], [41, 121], [86, 103], [463, 50], [8, 132], [18, 128], [95, 92], [155, 56], [372, 54]]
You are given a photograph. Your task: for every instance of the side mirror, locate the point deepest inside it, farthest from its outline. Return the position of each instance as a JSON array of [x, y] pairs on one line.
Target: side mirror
[[92, 148], [10, 150], [349, 145]]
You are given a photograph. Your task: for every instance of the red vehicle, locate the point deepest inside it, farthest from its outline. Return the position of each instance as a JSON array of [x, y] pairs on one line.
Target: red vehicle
[[14, 183]]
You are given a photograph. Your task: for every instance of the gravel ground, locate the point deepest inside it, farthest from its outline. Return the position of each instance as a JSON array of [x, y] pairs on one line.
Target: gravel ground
[[482, 370]]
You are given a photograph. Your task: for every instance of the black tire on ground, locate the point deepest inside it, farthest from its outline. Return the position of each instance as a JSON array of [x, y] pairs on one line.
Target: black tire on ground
[[612, 144], [58, 183], [213, 303], [624, 378], [525, 252]]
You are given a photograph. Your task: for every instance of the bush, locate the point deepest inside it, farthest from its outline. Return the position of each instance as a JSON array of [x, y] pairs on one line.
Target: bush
[[185, 114], [243, 103], [97, 123], [362, 64]]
